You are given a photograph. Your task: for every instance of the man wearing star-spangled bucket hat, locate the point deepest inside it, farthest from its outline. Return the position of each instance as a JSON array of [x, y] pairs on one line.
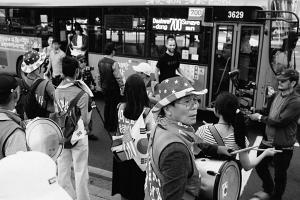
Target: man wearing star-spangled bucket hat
[[171, 169], [33, 67]]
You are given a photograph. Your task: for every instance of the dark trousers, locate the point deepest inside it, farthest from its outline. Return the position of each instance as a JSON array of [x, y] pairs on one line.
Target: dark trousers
[[111, 98], [281, 165]]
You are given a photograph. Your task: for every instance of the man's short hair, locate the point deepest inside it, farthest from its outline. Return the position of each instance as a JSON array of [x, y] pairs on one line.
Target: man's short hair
[[8, 83], [55, 40], [109, 48], [69, 66]]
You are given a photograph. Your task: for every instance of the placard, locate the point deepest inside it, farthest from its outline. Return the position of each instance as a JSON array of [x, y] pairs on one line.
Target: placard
[[185, 54], [23, 43]]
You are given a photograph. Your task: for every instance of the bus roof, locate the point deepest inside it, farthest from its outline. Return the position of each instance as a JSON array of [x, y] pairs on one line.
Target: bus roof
[[54, 3]]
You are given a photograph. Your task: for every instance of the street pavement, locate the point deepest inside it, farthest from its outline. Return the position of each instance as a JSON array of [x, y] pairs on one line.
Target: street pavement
[[100, 166]]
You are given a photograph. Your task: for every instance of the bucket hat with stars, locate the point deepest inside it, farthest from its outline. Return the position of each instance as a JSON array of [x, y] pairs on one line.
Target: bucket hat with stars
[[32, 60], [172, 89]]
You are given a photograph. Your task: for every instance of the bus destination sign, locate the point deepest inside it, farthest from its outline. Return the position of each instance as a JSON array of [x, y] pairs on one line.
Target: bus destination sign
[[175, 24]]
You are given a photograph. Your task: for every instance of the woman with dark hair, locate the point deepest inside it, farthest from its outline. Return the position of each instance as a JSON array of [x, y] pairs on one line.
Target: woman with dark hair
[[128, 179], [232, 129]]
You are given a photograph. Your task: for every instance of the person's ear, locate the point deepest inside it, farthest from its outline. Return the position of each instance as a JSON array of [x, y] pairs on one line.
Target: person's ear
[[216, 113], [16, 94], [168, 110], [293, 83]]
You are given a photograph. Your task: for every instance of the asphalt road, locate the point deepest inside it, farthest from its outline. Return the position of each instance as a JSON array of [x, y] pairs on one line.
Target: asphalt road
[[100, 157]]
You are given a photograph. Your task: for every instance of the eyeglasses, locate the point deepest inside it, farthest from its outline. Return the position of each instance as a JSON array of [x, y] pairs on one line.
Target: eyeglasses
[[189, 101], [283, 81], [81, 61]]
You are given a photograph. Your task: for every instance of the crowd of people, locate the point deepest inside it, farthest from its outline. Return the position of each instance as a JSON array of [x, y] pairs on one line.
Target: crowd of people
[[151, 118]]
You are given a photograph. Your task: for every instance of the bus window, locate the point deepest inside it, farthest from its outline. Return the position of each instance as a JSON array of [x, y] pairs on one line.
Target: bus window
[[248, 54], [193, 47], [96, 30], [283, 35], [31, 22], [222, 61], [126, 28], [283, 43], [127, 42], [3, 21]]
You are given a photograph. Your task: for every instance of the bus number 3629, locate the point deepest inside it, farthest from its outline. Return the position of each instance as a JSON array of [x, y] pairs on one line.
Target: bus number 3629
[[235, 14]]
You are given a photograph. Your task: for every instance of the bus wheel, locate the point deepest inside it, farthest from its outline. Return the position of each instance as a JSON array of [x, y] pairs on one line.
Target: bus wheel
[[18, 66]]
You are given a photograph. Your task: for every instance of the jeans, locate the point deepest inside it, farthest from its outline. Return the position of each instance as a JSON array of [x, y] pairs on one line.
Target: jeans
[[78, 158], [281, 164]]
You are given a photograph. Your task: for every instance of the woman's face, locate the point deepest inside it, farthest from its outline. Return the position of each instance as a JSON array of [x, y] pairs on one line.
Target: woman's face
[[184, 110]]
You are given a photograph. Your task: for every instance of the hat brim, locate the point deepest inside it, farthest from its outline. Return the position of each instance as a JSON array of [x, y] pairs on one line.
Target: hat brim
[[30, 68], [173, 97], [282, 78], [136, 68]]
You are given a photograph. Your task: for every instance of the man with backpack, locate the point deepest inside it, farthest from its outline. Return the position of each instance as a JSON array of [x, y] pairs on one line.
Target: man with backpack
[[72, 114], [37, 96], [12, 136]]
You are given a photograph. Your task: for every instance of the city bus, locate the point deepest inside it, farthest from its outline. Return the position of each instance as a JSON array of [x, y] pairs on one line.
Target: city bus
[[214, 37]]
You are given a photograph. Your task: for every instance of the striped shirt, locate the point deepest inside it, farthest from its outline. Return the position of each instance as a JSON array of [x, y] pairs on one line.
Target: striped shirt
[[204, 133]]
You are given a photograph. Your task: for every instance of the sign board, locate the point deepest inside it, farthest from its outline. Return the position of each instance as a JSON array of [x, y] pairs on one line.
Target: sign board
[[23, 43], [196, 14], [231, 13], [175, 24]]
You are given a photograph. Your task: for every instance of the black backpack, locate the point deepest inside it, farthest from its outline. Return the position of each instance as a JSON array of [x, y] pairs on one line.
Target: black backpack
[[67, 120], [32, 108]]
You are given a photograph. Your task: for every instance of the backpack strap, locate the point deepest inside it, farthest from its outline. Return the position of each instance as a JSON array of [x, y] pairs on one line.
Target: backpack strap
[[216, 135], [12, 116], [36, 84], [75, 100]]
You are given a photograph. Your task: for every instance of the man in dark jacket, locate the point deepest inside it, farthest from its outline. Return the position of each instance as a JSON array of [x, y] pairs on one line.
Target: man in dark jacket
[[112, 84], [281, 128]]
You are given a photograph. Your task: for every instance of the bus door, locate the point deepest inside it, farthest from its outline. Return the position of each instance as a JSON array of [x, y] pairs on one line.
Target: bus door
[[223, 52], [247, 64]]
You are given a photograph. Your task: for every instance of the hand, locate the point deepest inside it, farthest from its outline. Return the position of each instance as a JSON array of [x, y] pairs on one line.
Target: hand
[[122, 91], [223, 150], [211, 109], [255, 116], [192, 81], [206, 123], [271, 151]]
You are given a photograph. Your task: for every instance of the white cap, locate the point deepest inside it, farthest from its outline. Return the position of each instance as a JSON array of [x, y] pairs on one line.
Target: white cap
[[30, 176], [144, 68]]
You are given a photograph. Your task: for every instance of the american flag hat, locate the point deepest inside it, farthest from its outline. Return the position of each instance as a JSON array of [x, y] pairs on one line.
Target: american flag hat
[[32, 60], [172, 89]]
